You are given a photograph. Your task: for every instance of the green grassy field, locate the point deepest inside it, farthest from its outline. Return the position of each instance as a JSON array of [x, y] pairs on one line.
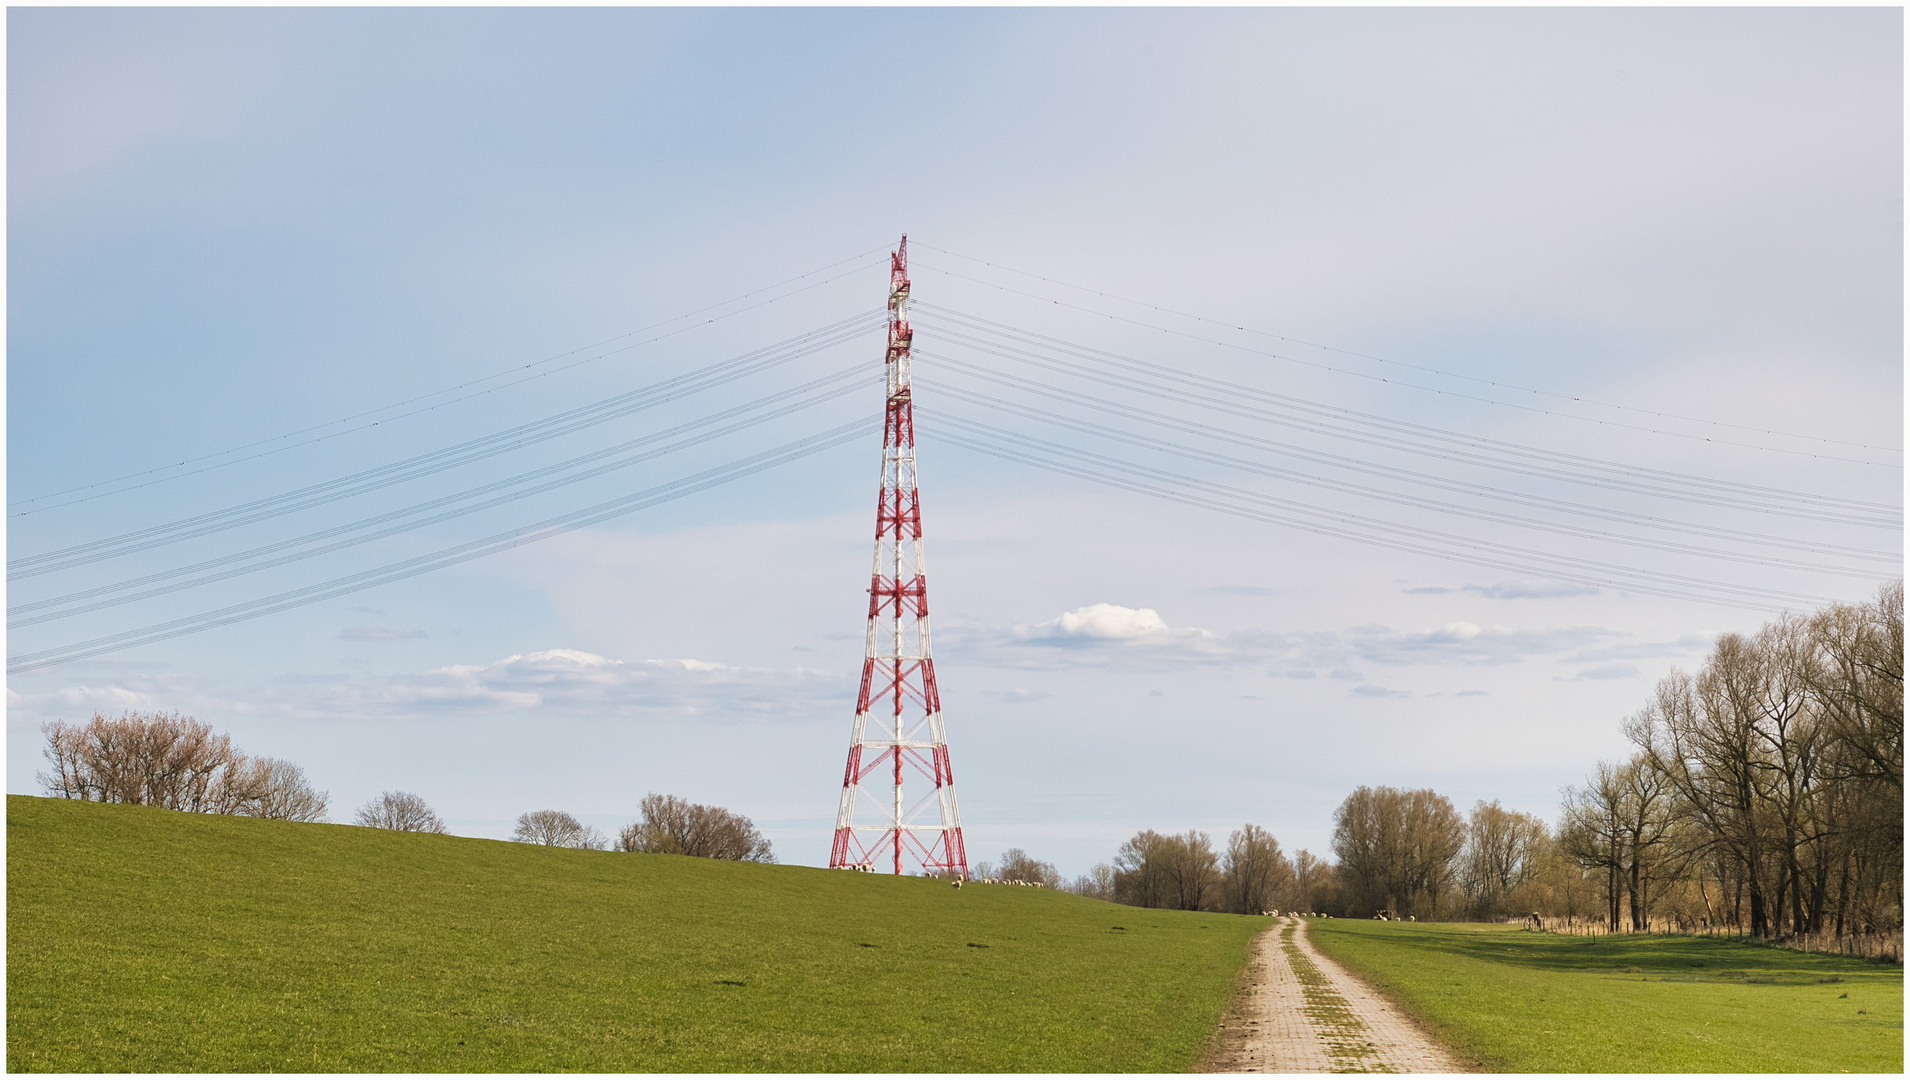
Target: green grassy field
[[1512, 1000], [146, 940]]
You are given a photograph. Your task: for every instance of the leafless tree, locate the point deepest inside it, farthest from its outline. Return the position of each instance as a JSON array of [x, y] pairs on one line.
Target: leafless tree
[[673, 826], [401, 811], [1256, 872], [1309, 874], [1194, 869], [1396, 847], [555, 828], [1622, 823], [1097, 883], [157, 759], [271, 788], [1502, 853], [1856, 676], [175, 762], [1018, 865], [1140, 871]]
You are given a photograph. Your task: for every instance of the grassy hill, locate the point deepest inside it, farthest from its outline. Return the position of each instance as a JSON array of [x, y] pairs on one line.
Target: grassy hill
[[146, 940], [1517, 1001]]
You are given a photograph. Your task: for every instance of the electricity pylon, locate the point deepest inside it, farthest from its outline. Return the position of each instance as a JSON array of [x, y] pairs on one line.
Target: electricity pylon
[[898, 749]]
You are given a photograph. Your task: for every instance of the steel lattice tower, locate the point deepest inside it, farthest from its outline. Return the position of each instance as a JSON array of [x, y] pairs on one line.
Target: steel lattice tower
[[898, 735]]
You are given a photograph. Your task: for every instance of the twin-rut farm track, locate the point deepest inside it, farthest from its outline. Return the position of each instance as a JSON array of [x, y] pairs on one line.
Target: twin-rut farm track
[[1302, 1013]]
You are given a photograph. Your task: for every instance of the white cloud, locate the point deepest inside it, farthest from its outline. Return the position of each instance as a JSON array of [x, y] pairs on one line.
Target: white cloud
[[1099, 622], [77, 702], [575, 681], [1100, 633], [1017, 696], [1689, 645], [1467, 643], [1369, 690]]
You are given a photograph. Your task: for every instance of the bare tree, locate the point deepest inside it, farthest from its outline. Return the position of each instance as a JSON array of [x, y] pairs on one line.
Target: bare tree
[[673, 826], [1140, 871], [1612, 824], [1856, 676], [175, 762], [1396, 848], [1097, 883], [156, 759], [401, 811], [1018, 865], [555, 828], [1194, 869], [1309, 875], [1256, 871], [271, 788], [1502, 852]]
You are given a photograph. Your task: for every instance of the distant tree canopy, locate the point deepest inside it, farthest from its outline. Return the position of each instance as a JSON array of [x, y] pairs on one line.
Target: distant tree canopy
[[555, 828], [1396, 848], [1018, 865], [674, 826], [1182, 870], [401, 811], [175, 762]]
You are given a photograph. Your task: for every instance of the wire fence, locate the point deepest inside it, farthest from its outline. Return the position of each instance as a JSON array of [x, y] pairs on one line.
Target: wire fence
[[1884, 946]]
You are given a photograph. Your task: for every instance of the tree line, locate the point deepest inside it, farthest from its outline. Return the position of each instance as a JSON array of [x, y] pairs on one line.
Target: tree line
[[180, 763], [1764, 794], [669, 826]]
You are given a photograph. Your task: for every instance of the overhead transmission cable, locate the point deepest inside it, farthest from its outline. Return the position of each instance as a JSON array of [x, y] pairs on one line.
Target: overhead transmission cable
[[483, 447], [1228, 461], [1052, 353], [1581, 399], [461, 386], [1211, 431], [850, 380], [978, 325], [1101, 468], [460, 553]]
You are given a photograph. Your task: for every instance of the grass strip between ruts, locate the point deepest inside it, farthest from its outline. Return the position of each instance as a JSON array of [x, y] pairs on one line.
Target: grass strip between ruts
[[152, 941], [1514, 1000]]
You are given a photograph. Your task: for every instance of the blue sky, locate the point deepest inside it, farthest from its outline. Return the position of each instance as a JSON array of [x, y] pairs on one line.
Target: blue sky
[[227, 225]]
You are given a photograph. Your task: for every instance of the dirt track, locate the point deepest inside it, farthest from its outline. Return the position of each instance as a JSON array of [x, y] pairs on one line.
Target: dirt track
[[1303, 1013]]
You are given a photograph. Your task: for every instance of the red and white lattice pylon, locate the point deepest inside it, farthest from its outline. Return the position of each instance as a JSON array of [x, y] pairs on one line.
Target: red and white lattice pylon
[[898, 753]]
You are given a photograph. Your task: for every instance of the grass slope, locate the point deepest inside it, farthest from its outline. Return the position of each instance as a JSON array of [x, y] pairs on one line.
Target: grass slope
[[1518, 1001], [145, 940]]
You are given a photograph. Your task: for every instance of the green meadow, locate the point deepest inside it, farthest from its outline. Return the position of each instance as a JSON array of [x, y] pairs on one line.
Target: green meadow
[[147, 940], [1511, 1000]]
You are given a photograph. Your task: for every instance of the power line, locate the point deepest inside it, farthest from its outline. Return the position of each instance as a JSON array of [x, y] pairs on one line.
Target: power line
[[461, 553], [1351, 464], [1226, 499], [454, 389], [778, 405], [1044, 351], [436, 461], [1382, 360], [1417, 502]]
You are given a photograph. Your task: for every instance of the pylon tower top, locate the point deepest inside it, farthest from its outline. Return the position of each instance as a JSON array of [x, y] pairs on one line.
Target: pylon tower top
[[898, 789]]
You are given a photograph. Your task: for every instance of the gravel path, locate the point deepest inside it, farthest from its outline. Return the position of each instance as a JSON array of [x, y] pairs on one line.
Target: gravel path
[[1303, 1013]]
